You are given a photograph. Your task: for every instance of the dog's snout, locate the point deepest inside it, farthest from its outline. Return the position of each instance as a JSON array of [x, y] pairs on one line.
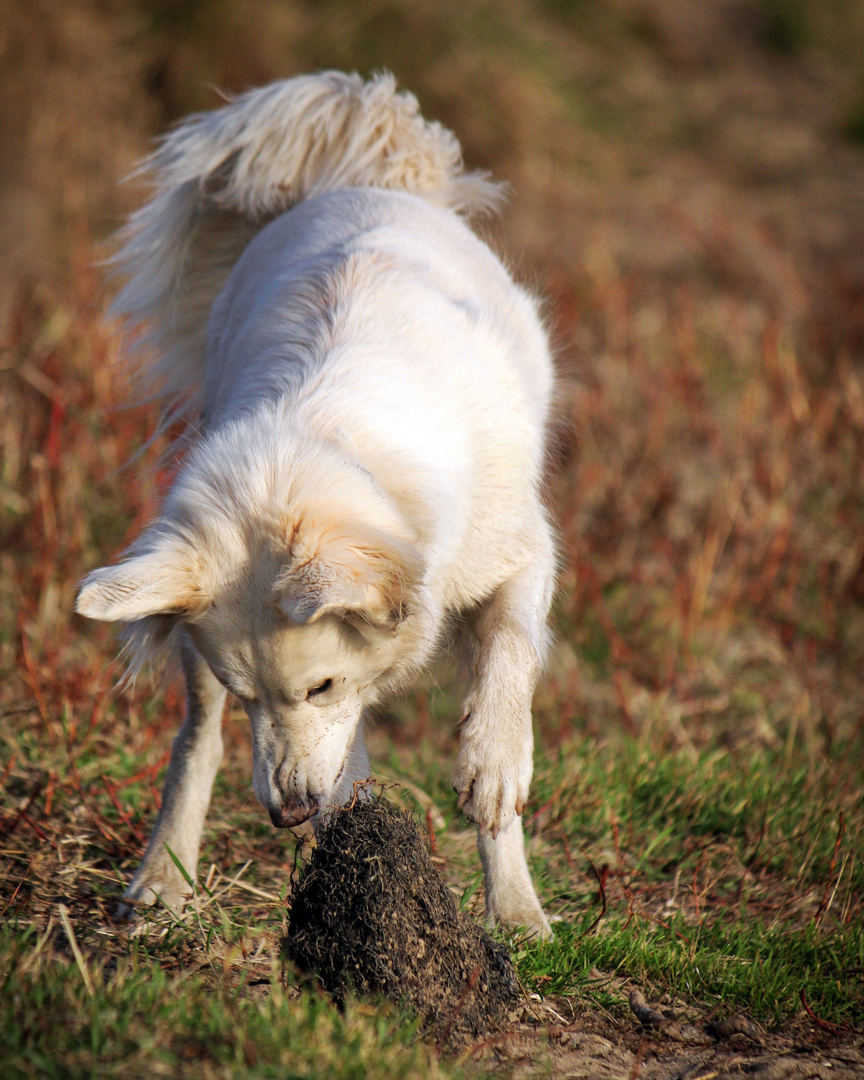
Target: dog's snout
[[293, 811]]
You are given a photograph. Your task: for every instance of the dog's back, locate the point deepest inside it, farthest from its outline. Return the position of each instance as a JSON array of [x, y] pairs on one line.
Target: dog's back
[[383, 270], [220, 177], [380, 323]]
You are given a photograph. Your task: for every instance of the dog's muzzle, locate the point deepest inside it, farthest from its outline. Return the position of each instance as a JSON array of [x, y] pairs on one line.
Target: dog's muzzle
[[292, 813]]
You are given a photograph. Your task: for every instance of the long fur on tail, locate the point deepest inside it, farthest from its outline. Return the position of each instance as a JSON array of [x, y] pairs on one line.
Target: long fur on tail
[[221, 176]]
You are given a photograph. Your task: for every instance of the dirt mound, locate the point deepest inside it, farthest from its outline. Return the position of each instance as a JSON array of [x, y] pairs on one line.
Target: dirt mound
[[372, 913]]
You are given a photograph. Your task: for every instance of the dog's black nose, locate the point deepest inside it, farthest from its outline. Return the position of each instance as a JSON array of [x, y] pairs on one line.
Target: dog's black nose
[[293, 813]]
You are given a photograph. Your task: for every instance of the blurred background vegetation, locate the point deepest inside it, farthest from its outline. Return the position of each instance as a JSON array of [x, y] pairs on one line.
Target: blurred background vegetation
[[624, 125]]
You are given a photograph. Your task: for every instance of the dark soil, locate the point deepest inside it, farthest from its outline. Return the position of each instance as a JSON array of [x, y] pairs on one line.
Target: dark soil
[[371, 913]]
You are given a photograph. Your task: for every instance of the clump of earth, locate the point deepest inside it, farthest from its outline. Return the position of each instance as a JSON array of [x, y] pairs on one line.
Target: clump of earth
[[372, 914]]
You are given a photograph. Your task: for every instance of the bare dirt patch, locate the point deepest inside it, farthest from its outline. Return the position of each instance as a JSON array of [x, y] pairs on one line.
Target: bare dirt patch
[[604, 1051]]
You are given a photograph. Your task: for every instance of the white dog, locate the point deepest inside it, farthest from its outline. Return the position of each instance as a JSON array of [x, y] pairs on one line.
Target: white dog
[[370, 394]]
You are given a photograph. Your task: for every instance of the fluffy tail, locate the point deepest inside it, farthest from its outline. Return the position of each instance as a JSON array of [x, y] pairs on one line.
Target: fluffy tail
[[221, 176]]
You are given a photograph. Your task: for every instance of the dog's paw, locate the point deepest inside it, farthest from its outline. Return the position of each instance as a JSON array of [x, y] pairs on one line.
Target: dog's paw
[[526, 914], [162, 883], [492, 780]]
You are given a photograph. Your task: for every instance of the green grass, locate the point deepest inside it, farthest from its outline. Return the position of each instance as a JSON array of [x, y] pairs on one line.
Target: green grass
[[745, 966], [717, 870], [731, 880], [137, 1019]]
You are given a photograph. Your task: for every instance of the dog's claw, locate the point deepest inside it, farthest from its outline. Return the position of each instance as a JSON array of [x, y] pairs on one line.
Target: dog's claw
[[491, 783]]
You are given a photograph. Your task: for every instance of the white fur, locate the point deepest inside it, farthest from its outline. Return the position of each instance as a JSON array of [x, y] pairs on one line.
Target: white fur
[[373, 392], [221, 176]]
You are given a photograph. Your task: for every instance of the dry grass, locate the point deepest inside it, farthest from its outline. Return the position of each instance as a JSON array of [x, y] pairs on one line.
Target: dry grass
[[713, 521]]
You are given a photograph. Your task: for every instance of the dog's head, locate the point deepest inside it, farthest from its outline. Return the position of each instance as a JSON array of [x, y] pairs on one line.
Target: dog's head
[[302, 613]]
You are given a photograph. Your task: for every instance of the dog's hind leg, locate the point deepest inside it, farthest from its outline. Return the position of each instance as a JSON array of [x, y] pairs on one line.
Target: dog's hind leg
[[495, 761], [195, 758]]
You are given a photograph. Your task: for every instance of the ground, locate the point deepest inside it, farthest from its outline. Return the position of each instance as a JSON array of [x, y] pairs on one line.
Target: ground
[[688, 194]]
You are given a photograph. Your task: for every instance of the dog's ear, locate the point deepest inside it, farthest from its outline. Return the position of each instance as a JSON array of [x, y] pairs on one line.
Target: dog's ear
[[367, 574], [161, 581]]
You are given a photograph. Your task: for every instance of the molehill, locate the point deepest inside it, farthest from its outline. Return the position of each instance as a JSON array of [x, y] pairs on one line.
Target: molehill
[[371, 913]]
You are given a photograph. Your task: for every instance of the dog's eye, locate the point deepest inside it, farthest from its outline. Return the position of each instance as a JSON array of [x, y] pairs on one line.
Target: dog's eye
[[321, 688]]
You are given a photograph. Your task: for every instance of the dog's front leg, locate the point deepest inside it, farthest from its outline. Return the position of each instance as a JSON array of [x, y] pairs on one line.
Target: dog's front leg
[[494, 765], [510, 895], [195, 758]]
